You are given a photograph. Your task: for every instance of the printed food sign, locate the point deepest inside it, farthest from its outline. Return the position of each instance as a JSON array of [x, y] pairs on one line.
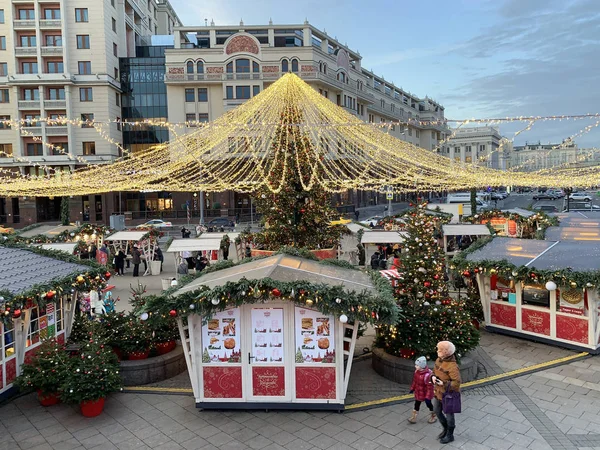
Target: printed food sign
[[267, 335], [315, 341], [221, 338]]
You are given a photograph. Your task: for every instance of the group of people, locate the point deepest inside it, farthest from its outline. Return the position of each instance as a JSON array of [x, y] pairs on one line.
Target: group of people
[[120, 259], [191, 262], [380, 259], [433, 387]]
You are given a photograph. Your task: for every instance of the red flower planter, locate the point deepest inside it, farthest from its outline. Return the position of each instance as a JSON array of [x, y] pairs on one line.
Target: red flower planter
[[138, 355], [165, 347], [475, 323], [92, 408], [48, 399]]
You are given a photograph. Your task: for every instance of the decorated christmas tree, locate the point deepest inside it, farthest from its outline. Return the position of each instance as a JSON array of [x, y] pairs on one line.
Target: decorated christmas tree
[[300, 214], [421, 291]]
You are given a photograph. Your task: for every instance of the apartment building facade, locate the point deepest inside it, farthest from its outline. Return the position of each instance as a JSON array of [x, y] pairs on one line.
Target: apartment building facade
[[531, 157], [483, 146], [212, 69], [60, 59]]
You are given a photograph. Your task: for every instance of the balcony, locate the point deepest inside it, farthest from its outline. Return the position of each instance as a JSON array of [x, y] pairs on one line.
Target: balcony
[[52, 51], [56, 130], [31, 131], [25, 51], [40, 78], [29, 104], [23, 24], [50, 24], [55, 104]]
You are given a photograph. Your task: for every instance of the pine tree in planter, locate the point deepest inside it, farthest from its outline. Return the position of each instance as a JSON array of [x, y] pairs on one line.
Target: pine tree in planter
[[64, 211], [295, 216], [430, 314]]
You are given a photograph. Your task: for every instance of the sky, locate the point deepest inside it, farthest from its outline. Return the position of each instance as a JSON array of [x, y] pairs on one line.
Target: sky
[[478, 58]]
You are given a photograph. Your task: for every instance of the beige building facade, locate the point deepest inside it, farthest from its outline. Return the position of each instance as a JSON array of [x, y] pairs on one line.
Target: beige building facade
[[530, 157], [483, 146], [60, 59]]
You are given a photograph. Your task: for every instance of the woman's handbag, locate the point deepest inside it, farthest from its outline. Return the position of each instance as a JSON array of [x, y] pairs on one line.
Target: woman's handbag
[[451, 403]]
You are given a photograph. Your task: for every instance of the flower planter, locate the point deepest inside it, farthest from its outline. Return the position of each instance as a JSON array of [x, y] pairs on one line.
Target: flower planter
[[48, 399], [133, 356], [165, 347], [92, 408], [407, 353], [328, 253]]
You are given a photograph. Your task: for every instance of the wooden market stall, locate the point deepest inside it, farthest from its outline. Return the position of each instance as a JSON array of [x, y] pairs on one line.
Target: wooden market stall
[[544, 296], [372, 239], [454, 235], [211, 248], [23, 329], [275, 349], [146, 242]]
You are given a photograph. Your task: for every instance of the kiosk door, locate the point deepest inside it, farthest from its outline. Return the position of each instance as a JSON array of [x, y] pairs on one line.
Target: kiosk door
[[269, 356]]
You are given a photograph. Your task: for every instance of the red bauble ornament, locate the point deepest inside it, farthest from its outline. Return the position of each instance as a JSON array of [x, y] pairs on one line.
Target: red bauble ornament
[[50, 295], [436, 277], [275, 292], [476, 270], [107, 275], [427, 284], [466, 273], [17, 313], [172, 313]]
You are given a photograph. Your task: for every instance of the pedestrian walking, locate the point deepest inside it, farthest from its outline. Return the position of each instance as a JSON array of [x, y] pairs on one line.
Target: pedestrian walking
[[136, 259], [182, 269], [104, 248], [158, 256], [92, 251], [356, 214], [183, 232], [119, 262], [201, 263], [375, 261], [446, 378], [422, 388]]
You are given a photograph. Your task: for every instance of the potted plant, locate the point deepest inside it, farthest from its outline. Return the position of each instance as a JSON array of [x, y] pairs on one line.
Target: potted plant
[[115, 326], [135, 339], [164, 335], [45, 372], [92, 375]]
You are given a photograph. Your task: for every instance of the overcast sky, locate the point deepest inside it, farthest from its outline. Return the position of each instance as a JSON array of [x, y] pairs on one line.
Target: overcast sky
[[479, 58]]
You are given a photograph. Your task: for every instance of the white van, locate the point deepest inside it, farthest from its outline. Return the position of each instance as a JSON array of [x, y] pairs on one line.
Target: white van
[[465, 199]]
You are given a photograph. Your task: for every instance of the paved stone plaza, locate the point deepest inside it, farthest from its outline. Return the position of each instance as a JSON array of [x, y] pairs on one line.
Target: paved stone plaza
[[556, 408]]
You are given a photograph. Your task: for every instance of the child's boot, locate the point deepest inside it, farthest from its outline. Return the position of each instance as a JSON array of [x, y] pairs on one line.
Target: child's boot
[[413, 418], [432, 418]]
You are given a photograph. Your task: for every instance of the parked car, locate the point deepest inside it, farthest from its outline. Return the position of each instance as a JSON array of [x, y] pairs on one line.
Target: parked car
[[547, 208], [548, 195], [155, 223], [559, 193], [580, 197], [371, 221], [497, 196], [221, 222]]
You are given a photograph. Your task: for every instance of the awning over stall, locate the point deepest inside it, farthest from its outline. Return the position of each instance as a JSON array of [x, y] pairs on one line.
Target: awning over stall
[[383, 237], [67, 247], [464, 229], [193, 245], [127, 236]]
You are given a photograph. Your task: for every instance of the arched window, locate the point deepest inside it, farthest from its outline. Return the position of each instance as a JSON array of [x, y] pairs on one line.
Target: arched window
[[284, 65], [255, 67], [295, 65], [190, 67], [341, 77], [199, 67], [230, 67], [242, 66]]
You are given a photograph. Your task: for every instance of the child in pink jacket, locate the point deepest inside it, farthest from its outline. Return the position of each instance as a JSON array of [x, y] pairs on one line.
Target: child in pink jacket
[[422, 389]]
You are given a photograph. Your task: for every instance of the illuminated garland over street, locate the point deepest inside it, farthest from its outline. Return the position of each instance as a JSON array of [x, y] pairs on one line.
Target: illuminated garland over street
[[242, 149]]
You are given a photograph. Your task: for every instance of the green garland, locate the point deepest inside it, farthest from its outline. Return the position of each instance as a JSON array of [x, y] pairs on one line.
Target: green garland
[[371, 307]]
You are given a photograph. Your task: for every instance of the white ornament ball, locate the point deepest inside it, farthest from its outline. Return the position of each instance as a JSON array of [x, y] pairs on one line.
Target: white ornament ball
[[192, 306], [144, 316], [263, 196], [215, 301], [422, 269], [338, 300], [344, 318], [551, 285]]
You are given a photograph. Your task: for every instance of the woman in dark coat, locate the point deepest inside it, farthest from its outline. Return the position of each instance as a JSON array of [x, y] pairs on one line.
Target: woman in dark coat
[[120, 261]]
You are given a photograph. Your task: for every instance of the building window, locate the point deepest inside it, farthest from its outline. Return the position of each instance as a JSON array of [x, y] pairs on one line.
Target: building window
[[28, 41], [52, 14], [255, 67], [202, 94], [35, 149], [3, 69], [118, 122], [189, 67], [468, 149], [417, 133], [409, 131], [2, 42], [189, 95], [114, 25], [85, 67], [83, 41], [29, 67], [31, 94], [54, 67], [115, 50], [81, 15], [56, 93], [4, 122], [26, 14], [255, 90], [116, 74], [203, 117], [482, 148], [87, 120], [199, 67], [118, 99], [284, 65], [229, 67], [190, 119], [53, 40], [4, 97], [89, 148], [86, 95], [6, 150], [112, 3], [1, 16], [242, 65], [295, 65], [242, 92], [228, 92]]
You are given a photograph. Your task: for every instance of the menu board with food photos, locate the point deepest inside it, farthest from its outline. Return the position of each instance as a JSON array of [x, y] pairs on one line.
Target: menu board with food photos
[[315, 342], [267, 335], [221, 338]]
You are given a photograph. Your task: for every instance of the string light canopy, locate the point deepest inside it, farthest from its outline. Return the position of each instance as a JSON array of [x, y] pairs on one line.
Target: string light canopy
[[241, 149]]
